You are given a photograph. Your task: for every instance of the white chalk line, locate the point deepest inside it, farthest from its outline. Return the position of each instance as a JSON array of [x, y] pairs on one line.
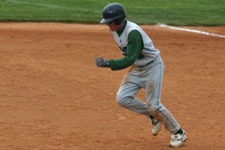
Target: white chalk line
[[86, 10], [51, 6], [191, 30]]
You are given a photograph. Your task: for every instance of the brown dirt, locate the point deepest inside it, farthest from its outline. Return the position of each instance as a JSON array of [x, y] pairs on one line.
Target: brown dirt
[[53, 97]]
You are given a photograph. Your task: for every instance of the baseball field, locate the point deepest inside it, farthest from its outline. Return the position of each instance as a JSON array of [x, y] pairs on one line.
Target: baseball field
[[53, 97]]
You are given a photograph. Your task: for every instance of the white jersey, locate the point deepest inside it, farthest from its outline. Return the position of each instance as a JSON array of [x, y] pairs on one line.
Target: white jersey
[[149, 52]]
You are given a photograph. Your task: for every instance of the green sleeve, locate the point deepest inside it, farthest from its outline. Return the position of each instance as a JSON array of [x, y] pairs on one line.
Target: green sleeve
[[134, 48]]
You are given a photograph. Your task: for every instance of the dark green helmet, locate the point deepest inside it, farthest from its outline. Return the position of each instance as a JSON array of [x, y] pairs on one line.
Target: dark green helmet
[[113, 12]]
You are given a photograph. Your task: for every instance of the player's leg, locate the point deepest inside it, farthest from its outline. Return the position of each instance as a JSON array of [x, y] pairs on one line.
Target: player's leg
[[155, 107], [126, 98], [126, 95]]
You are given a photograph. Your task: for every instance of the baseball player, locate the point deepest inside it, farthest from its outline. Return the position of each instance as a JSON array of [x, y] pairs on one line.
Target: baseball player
[[146, 72]]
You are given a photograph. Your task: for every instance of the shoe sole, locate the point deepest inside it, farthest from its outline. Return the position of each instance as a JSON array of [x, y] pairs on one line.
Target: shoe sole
[[179, 144]]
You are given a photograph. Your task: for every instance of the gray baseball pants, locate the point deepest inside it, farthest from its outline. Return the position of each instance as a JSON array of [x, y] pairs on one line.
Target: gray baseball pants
[[150, 78]]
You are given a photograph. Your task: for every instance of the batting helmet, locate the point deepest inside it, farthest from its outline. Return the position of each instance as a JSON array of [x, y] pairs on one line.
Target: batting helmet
[[113, 12]]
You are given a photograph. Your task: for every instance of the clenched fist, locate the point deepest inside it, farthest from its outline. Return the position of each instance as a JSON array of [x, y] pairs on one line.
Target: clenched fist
[[100, 62]]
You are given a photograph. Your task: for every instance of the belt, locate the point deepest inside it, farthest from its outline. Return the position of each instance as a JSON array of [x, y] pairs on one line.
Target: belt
[[147, 64]]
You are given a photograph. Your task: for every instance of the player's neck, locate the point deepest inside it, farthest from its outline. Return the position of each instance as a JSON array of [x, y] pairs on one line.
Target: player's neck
[[121, 28]]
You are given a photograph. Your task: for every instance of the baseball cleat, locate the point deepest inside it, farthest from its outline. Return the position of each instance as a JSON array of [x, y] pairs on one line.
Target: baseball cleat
[[156, 125], [177, 139], [156, 128]]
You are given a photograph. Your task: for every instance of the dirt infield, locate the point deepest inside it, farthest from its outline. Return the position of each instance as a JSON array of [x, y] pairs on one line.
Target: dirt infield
[[53, 97]]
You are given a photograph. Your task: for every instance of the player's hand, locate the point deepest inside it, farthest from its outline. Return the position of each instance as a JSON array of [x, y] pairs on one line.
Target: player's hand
[[100, 62]]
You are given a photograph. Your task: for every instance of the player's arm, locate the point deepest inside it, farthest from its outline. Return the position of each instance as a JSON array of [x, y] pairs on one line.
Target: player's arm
[[134, 48]]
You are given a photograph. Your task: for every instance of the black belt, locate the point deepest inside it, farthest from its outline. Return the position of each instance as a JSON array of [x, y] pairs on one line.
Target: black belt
[[147, 63]]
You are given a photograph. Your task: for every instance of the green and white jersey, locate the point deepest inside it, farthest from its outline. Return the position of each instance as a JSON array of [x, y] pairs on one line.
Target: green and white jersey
[[147, 50]]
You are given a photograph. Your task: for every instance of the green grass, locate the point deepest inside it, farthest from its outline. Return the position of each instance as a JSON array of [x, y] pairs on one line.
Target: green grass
[[171, 12]]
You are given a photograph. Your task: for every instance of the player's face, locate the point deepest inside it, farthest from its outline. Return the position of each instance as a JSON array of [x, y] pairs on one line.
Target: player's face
[[113, 26]]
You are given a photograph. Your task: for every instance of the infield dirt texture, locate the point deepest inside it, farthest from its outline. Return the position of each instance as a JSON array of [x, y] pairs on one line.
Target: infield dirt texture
[[53, 97]]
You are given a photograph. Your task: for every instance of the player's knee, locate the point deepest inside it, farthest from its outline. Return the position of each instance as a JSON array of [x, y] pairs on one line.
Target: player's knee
[[121, 100], [154, 107]]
